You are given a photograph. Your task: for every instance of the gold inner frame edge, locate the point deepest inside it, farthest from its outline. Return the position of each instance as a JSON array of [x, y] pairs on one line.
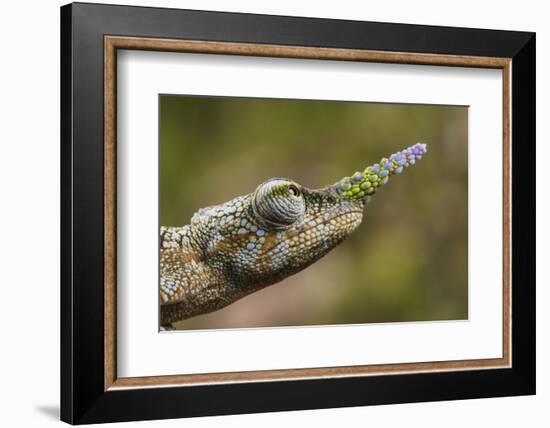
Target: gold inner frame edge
[[113, 43]]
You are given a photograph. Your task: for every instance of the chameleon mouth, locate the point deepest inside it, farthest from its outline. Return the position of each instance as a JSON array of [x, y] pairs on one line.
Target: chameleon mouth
[[330, 214], [339, 226], [346, 213], [348, 218]]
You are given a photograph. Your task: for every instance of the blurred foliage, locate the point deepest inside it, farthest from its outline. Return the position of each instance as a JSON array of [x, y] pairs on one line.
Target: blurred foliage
[[408, 261]]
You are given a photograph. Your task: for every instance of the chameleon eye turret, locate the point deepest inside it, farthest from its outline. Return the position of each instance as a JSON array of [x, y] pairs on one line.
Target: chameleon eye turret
[[252, 241], [278, 203]]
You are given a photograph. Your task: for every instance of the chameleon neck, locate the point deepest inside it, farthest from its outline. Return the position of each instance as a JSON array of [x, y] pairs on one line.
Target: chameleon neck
[[188, 285]]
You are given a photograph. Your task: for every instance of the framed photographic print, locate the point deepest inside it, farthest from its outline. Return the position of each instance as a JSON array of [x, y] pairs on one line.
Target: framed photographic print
[[265, 213]]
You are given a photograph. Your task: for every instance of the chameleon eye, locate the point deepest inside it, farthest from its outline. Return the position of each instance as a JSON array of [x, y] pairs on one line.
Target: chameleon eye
[[272, 205], [293, 190]]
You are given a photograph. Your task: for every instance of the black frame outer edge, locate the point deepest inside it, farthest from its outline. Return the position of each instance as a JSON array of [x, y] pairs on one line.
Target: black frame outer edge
[[82, 397], [66, 305], [523, 213]]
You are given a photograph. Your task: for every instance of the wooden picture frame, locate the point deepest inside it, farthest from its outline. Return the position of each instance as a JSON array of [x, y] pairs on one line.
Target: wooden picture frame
[[91, 390]]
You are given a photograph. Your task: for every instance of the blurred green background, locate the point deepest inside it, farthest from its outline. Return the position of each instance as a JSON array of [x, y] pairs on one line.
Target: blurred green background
[[408, 261]]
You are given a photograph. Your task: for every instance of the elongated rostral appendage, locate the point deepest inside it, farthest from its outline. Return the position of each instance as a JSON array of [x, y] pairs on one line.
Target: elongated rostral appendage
[[255, 240], [365, 183]]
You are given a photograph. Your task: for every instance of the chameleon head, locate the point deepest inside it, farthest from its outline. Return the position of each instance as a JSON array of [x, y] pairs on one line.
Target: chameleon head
[[283, 227]]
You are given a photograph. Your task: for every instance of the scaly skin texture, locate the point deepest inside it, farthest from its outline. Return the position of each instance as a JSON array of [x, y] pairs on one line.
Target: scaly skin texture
[[231, 250]]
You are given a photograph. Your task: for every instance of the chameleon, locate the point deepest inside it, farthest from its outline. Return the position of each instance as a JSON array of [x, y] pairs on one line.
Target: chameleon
[[231, 250]]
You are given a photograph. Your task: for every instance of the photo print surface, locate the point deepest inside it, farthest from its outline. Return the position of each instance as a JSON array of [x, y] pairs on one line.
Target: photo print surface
[[279, 212]]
